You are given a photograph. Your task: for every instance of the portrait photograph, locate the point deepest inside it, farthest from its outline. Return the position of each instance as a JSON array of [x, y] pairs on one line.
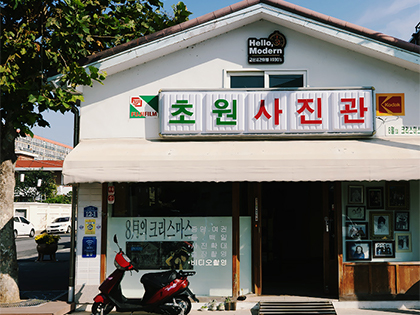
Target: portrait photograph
[[383, 249], [357, 231], [356, 213], [381, 225], [402, 221], [355, 194], [358, 250], [375, 198], [398, 195], [403, 242]]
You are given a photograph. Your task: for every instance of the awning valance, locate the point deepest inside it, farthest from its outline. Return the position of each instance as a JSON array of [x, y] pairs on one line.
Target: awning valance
[[139, 160]]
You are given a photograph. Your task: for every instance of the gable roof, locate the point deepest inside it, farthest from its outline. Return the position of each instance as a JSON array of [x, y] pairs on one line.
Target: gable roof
[[351, 36]]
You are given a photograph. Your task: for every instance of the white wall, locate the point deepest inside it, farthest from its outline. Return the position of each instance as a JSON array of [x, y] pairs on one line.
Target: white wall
[[88, 269], [204, 65]]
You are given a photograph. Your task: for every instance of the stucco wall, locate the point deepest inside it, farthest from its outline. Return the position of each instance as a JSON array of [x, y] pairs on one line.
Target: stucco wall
[[205, 65]]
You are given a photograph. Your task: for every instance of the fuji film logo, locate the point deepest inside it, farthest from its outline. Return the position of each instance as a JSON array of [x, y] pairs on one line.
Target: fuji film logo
[[136, 101]]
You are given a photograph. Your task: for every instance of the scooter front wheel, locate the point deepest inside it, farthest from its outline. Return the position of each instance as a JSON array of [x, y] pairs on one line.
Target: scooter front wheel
[[184, 302], [99, 308]]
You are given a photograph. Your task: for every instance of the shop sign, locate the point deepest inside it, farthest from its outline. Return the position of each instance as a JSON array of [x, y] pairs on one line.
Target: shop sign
[[267, 50], [144, 106], [208, 240], [266, 113], [403, 131], [390, 104]]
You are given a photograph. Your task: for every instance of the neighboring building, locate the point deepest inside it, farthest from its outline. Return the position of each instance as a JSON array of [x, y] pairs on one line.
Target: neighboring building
[[279, 141], [41, 148], [55, 166], [41, 214]]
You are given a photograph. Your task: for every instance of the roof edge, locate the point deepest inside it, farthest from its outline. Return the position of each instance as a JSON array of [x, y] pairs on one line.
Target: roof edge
[[284, 5]]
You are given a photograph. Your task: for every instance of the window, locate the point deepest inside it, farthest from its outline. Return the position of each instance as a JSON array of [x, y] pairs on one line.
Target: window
[[247, 81], [265, 79], [172, 199]]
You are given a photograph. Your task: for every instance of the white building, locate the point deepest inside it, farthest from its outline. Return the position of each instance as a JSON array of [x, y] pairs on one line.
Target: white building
[[264, 133]]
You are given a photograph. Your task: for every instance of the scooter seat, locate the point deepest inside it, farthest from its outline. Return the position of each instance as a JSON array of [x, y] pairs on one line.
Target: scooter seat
[[158, 280]]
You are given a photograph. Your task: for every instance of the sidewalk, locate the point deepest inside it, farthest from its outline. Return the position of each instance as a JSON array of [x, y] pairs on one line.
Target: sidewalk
[[250, 306], [247, 307]]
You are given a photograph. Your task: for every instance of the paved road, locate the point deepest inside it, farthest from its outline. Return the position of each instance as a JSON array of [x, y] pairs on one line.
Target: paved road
[[47, 279]]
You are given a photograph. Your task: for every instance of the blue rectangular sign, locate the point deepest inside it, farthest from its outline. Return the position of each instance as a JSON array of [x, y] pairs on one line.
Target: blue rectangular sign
[[89, 247], [90, 212]]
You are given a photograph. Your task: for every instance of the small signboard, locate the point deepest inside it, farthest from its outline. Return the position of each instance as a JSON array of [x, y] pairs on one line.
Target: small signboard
[[144, 106], [89, 247], [90, 212], [390, 104], [267, 50], [90, 226]]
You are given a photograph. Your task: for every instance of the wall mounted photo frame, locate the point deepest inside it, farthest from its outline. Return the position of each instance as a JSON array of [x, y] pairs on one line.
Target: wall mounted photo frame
[[383, 249], [403, 242], [356, 213], [397, 195], [358, 250], [357, 231], [402, 221], [375, 198], [381, 225], [355, 195]]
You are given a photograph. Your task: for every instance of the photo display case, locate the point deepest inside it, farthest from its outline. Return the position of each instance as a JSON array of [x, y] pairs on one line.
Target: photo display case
[[377, 221]]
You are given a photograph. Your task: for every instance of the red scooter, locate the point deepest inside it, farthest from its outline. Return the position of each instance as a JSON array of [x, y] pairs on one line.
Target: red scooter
[[166, 292]]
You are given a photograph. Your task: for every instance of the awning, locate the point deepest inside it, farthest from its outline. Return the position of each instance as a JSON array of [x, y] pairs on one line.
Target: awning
[[139, 160]]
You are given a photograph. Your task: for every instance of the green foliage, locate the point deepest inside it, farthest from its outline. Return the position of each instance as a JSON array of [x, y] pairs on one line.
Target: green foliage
[[29, 190], [50, 38], [59, 199]]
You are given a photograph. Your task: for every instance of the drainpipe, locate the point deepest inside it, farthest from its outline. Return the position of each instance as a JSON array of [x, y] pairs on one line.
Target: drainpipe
[[74, 201]]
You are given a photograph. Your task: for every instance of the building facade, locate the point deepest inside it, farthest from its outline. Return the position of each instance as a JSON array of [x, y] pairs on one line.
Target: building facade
[[41, 148], [281, 143]]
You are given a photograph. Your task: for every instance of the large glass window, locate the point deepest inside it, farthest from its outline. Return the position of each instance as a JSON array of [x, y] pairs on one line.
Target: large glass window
[[172, 199]]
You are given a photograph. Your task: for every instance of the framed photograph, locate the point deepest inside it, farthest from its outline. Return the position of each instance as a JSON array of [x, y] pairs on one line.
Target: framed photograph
[[397, 195], [358, 250], [355, 194], [356, 213], [403, 242], [402, 221], [381, 225], [375, 197], [383, 249], [357, 231]]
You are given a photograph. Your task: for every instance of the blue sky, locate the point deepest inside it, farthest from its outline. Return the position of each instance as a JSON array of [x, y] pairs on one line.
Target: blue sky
[[397, 18]]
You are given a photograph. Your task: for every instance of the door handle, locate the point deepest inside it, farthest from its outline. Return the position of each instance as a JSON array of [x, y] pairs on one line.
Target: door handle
[[327, 224]]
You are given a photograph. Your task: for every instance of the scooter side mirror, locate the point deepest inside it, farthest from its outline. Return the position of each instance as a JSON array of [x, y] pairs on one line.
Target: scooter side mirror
[[115, 239]]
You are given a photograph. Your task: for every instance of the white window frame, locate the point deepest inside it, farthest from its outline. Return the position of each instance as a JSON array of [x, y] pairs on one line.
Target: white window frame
[[266, 73]]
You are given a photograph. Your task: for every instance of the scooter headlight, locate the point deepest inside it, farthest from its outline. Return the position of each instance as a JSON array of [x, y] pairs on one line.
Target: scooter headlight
[[122, 261]]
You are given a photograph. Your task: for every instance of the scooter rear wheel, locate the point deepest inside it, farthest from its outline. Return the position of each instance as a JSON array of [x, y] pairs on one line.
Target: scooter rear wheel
[[184, 302], [97, 307]]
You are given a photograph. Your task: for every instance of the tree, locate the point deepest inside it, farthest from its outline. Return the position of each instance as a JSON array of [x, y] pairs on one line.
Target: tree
[[41, 39], [38, 185]]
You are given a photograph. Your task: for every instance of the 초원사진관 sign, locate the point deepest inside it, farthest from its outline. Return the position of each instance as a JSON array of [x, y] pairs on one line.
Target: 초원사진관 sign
[[256, 113]]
